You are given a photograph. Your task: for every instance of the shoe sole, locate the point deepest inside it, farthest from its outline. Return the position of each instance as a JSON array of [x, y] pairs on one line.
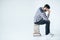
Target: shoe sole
[[36, 35]]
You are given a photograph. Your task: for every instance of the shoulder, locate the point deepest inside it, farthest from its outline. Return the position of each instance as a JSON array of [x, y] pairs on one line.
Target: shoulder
[[41, 9]]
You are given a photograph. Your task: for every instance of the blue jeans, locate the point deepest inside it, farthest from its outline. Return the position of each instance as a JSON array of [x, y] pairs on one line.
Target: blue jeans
[[47, 22]]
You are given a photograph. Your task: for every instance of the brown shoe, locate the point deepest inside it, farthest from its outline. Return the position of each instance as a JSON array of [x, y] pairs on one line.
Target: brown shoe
[[36, 34]]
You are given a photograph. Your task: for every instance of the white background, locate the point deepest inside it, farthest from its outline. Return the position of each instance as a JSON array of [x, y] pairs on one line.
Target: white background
[[16, 19]]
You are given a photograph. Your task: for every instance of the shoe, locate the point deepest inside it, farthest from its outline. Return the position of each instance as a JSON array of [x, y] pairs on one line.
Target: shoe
[[36, 34], [50, 34]]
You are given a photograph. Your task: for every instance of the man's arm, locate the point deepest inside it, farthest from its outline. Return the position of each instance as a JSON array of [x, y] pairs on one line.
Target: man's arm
[[48, 13], [43, 16]]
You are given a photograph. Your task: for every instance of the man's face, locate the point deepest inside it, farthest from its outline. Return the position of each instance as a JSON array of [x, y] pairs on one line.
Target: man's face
[[46, 9]]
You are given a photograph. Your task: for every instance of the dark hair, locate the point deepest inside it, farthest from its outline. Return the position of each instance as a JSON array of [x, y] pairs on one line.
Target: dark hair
[[46, 5]]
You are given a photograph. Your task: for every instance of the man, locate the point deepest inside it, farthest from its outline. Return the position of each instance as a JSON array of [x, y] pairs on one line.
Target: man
[[40, 18]]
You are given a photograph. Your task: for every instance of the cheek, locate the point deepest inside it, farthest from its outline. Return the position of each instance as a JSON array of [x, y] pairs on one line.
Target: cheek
[[47, 9]]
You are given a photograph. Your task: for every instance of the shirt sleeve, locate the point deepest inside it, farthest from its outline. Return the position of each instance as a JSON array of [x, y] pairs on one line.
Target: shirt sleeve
[[48, 15], [43, 15]]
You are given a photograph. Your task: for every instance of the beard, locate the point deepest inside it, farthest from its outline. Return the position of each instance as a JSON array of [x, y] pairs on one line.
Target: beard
[[45, 10]]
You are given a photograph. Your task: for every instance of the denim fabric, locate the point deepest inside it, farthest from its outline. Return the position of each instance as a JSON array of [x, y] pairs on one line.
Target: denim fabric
[[47, 22]]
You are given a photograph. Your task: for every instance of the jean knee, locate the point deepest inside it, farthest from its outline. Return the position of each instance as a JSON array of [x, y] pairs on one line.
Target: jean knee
[[48, 21]]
